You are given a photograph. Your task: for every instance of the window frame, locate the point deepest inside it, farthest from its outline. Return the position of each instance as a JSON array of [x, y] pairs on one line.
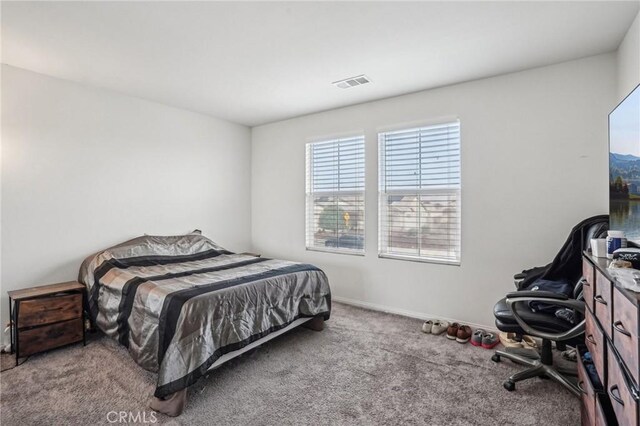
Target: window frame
[[310, 194], [383, 193]]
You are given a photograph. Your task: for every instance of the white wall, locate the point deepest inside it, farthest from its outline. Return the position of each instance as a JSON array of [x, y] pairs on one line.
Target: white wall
[[629, 60], [84, 168], [534, 153]]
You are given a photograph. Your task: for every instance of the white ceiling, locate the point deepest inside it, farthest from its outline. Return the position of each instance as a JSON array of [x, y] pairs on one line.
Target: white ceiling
[[254, 63]]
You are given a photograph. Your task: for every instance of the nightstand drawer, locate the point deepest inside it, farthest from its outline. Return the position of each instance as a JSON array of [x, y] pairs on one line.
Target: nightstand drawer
[[48, 310], [50, 336]]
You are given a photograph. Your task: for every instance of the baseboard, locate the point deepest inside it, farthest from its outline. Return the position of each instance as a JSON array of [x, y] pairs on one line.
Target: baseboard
[[407, 313]]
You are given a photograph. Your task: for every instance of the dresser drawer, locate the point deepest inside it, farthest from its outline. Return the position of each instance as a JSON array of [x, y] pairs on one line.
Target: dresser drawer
[[588, 392], [589, 282], [625, 330], [602, 302], [600, 419], [625, 407], [595, 343], [49, 336], [47, 310], [584, 417], [604, 413]]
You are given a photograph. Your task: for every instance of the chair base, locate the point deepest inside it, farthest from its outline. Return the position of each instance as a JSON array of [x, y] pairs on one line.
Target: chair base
[[536, 369]]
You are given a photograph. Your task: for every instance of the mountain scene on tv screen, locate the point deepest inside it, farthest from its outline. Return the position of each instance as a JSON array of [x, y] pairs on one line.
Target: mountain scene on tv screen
[[624, 190], [624, 167], [624, 176]]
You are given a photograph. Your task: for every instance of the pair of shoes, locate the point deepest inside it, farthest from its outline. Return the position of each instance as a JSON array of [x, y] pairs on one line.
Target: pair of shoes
[[459, 333], [484, 339], [434, 327], [509, 340]]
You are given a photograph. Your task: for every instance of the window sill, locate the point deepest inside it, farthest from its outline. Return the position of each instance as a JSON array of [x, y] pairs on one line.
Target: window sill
[[419, 259], [337, 251]]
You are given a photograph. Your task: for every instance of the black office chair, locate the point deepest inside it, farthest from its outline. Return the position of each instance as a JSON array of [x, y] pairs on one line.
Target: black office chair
[[513, 314]]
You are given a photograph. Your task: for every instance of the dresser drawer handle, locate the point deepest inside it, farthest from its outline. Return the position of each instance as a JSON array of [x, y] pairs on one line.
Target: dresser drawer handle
[[591, 340], [599, 299], [585, 282], [616, 398], [580, 383], [620, 328]]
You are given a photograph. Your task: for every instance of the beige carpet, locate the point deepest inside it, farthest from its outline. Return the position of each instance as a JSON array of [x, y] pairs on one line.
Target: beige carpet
[[364, 368]]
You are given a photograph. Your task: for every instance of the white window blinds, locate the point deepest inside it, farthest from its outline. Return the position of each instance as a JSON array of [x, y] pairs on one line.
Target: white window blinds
[[419, 194], [335, 195]]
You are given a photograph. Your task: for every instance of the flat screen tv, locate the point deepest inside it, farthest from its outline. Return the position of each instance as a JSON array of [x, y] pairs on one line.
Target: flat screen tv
[[624, 167]]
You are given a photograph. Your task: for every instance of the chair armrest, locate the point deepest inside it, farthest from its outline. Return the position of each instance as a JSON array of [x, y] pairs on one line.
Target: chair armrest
[[578, 305], [545, 294]]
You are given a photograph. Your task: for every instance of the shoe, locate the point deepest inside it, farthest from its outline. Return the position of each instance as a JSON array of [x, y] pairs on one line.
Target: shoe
[[439, 327], [452, 331], [464, 334], [489, 340], [427, 326], [476, 338], [508, 340], [529, 342], [570, 355]]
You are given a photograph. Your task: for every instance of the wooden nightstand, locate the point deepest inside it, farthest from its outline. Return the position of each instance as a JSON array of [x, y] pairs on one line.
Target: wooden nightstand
[[46, 317]]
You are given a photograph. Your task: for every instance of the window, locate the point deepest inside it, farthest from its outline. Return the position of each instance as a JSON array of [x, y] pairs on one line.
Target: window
[[335, 195], [419, 194]]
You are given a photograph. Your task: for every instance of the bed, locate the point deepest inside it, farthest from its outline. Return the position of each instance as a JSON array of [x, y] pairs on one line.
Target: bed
[[183, 305]]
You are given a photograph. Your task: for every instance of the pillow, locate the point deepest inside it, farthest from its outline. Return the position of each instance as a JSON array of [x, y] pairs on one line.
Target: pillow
[[194, 232], [158, 245]]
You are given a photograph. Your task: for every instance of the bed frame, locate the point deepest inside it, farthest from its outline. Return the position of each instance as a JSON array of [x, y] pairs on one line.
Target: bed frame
[[312, 323], [174, 404]]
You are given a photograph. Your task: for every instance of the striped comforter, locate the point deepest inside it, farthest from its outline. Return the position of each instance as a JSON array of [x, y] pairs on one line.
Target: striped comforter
[[179, 303]]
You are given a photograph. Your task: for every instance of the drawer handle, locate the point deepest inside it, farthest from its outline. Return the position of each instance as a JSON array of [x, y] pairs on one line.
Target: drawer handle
[[591, 340], [616, 398], [580, 388], [620, 328], [585, 282], [599, 299]]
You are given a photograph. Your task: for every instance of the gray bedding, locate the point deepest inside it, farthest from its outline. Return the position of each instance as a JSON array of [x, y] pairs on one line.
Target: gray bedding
[[179, 303]]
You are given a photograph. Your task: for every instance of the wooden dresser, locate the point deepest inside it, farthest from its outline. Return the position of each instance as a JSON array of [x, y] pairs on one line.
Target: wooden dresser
[[46, 317], [611, 336]]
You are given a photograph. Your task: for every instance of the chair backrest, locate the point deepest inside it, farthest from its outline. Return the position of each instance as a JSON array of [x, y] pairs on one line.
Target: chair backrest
[[567, 264], [597, 230]]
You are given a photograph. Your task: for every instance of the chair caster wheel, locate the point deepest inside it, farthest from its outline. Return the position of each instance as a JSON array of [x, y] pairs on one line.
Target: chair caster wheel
[[495, 358], [509, 385]]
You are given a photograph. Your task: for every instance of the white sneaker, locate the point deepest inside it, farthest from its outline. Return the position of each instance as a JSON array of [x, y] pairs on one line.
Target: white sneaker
[[427, 326], [439, 327]]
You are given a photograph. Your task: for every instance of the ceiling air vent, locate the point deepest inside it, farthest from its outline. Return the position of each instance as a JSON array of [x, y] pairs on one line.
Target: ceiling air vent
[[352, 82]]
